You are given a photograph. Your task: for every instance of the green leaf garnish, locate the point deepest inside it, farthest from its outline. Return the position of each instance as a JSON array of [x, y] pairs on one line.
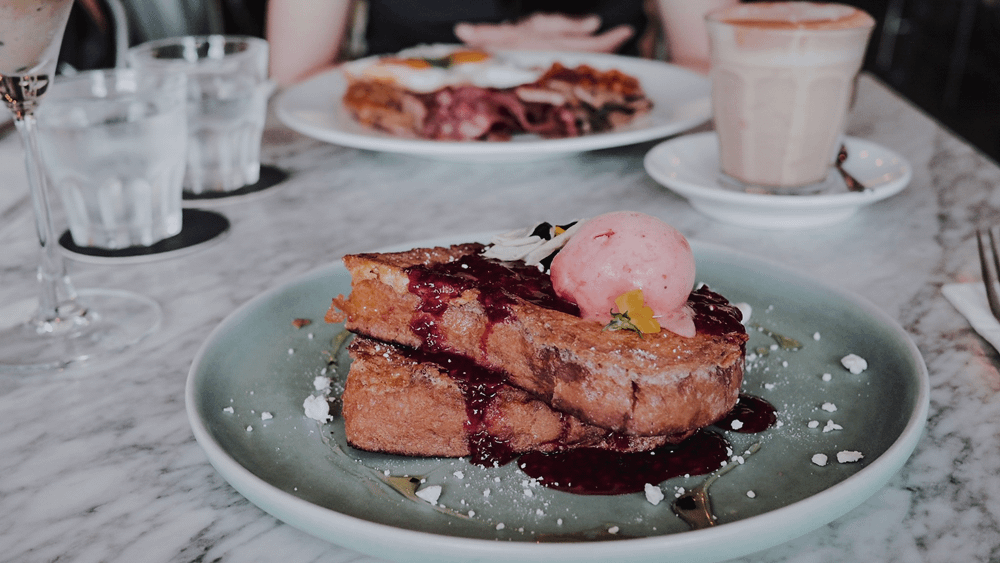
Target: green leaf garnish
[[621, 321]]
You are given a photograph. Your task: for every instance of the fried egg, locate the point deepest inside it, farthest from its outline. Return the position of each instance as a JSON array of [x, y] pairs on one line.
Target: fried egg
[[428, 68]]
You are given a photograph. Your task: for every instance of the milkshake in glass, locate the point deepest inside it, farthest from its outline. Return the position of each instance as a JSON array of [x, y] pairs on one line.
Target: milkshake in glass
[[782, 80]]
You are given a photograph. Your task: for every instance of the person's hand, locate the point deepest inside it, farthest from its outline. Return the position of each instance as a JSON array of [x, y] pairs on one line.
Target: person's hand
[[555, 32]]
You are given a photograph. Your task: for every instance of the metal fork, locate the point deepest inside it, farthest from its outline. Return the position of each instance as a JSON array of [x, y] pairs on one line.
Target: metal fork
[[990, 272]]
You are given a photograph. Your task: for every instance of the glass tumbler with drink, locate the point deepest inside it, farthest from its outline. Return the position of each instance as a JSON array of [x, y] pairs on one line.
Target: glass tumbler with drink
[[782, 81], [67, 326], [228, 89], [112, 144]]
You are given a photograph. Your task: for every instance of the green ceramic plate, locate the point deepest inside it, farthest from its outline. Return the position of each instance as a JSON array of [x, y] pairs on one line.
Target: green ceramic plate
[[303, 473]]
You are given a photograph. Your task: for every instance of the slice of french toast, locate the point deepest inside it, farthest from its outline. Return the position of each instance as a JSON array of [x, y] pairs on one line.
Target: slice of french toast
[[505, 317], [408, 402]]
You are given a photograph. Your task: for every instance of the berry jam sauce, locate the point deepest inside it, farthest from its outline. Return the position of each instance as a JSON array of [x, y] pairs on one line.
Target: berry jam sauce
[[479, 388], [753, 413], [713, 314], [499, 284], [589, 471]]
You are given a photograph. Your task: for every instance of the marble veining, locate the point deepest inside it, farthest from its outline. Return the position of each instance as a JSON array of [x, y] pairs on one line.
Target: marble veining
[[98, 463]]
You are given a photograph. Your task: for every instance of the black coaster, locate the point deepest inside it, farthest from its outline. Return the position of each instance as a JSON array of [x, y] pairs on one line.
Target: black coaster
[[199, 227], [270, 176]]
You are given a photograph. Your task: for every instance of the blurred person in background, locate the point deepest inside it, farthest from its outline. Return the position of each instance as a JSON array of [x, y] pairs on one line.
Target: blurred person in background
[[308, 36]]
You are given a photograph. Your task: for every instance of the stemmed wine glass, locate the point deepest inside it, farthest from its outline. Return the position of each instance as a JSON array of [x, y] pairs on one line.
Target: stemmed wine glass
[[68, 326]]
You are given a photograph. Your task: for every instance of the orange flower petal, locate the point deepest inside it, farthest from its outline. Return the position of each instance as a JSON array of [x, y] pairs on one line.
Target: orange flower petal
[[631, 302]]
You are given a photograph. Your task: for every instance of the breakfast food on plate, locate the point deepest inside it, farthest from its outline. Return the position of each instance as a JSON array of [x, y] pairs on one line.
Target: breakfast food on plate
[[450, 93], [459, 304], [404, 401]]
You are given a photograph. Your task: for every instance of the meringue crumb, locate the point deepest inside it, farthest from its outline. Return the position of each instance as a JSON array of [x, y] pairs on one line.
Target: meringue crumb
[[813, 424], [266, 416], [847, 456], [613, 530], [831, 425], [229, 410], [829, 407], [653, 494], [826, 377], [745, 310], [854, 363], [430, 493], [751, 494], [819, 459], [317, 408]]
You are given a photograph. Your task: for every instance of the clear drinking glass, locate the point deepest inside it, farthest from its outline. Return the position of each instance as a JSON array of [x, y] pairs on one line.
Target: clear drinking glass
[[227, 104], [67, 326], [112, 144]]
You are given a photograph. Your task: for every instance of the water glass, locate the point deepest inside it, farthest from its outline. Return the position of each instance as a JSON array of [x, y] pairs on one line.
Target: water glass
[[112, 145], [227, 104]]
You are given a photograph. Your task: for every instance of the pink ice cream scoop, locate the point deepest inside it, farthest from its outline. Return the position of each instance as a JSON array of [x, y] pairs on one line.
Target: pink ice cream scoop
[[621, 251]]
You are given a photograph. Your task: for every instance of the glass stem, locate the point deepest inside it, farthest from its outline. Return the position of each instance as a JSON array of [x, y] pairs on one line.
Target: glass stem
[[56, 293]]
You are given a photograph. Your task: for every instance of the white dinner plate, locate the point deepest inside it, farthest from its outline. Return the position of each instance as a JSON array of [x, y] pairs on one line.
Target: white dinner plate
[[305, 474], [681, 100], [689, 166]]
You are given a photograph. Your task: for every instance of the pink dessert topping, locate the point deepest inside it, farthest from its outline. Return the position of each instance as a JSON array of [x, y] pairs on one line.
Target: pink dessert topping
[[618, 252]]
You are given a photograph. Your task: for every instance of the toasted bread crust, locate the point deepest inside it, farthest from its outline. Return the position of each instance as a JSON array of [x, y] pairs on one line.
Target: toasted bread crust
[[396, 403], [659, 384]]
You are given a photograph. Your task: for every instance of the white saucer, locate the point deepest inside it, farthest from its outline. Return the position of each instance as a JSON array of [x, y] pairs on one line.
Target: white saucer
[[689, 166]]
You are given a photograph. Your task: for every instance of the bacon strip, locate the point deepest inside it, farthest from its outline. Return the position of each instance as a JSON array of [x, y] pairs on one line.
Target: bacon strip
[[564, 102]]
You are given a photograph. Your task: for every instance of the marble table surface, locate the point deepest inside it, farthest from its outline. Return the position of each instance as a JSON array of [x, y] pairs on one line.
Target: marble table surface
[[98, 463]]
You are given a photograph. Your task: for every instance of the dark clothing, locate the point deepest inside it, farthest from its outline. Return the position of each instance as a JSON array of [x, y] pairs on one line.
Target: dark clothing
[[86, 45], [398, 24]]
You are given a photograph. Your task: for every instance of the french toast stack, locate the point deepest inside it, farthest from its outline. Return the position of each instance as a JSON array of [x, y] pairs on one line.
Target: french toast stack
[[460, 355]]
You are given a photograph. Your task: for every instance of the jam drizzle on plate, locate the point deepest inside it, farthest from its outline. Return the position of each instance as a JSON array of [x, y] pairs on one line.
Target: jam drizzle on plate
[[589, 471]]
